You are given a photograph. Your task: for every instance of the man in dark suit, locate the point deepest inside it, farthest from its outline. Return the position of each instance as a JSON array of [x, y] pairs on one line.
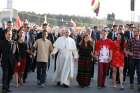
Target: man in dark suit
[[129, 31], [9, 52], [128, 34], [9, 26], [29, 56], [113, 34], [95, 34]]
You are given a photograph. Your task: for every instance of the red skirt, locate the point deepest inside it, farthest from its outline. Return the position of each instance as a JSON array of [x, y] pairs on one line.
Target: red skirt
[[118, 59], [20, 68]]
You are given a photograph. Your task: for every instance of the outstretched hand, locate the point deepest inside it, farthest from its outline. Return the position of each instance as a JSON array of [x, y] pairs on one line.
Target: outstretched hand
[[76, 60], [19, 64]]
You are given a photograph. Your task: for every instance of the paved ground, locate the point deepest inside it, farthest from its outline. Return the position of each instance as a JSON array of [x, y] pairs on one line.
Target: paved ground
[[31, 87]]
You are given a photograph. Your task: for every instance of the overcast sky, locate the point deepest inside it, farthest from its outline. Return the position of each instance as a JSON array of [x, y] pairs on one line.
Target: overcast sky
[[76, 7]]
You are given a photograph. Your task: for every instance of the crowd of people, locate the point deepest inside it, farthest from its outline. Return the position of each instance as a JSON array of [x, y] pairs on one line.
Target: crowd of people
[[116, 50]]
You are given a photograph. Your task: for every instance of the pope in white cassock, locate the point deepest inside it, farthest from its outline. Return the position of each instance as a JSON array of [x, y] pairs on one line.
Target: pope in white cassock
[[67, 54]]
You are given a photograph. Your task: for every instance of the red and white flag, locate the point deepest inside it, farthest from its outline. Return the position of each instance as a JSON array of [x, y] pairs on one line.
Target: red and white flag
[[95, 4], [18, 22]]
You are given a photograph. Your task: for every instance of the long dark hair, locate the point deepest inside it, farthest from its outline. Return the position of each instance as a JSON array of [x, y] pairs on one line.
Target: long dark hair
[[122, 41], [89, 43]]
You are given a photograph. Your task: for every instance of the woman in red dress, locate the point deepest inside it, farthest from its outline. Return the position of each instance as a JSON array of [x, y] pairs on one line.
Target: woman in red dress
[[118, 58], [20, 66]]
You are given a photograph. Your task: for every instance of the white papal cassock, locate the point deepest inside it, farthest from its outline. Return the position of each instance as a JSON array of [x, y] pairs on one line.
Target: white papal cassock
[[67, 52]]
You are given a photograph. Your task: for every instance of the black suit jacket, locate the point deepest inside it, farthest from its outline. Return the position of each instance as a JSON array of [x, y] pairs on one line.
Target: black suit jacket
[[1, 34], [9, 52], [127, 35], [51, 37], [95, 35], [110, 36]]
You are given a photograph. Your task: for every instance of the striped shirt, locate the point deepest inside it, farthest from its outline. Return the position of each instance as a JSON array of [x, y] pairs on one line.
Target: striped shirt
[[134, 47]]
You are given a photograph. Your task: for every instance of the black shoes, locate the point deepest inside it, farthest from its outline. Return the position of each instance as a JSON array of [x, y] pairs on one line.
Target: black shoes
[[65, 86], [24, 81], [122, 88], [6, 91], [9, 91], [58, 84], [131, 86], [138, 87], [38, 83]]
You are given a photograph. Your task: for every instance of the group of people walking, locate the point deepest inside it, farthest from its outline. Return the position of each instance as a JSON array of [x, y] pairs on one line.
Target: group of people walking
[[116, 51]]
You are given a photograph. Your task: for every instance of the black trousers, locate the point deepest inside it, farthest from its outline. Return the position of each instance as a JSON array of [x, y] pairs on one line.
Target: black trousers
[[34, 64], [8, 71], [126, 67], [134, 64], [92, 69], [41, 72], [55, 61], [28, 68]]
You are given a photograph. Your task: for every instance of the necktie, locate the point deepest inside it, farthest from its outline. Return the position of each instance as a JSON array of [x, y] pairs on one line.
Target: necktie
[[130, 34], [113, 37], [26, 39]]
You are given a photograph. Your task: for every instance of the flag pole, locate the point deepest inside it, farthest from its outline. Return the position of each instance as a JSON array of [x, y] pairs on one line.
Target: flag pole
[[132, 16]]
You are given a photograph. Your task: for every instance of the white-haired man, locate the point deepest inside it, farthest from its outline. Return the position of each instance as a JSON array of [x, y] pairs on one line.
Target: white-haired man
[[65, 60]]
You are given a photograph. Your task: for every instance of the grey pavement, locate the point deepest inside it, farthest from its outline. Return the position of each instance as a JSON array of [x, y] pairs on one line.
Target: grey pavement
[[31, 87]]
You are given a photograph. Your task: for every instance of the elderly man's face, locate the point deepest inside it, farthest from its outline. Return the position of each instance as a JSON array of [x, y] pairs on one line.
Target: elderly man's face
[[66, 33]]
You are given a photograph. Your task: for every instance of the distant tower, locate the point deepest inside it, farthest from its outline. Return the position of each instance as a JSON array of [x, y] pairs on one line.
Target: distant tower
[[45, 18], [10, 8], [9, 4]]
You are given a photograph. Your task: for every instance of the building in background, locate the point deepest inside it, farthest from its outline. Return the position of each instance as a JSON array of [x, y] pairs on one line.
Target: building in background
[[8, 13]]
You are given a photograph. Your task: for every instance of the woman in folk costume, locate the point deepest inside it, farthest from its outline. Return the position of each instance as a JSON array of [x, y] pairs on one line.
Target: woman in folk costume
[[118, 58], [67, 54], [103, 51], [85, 63]]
